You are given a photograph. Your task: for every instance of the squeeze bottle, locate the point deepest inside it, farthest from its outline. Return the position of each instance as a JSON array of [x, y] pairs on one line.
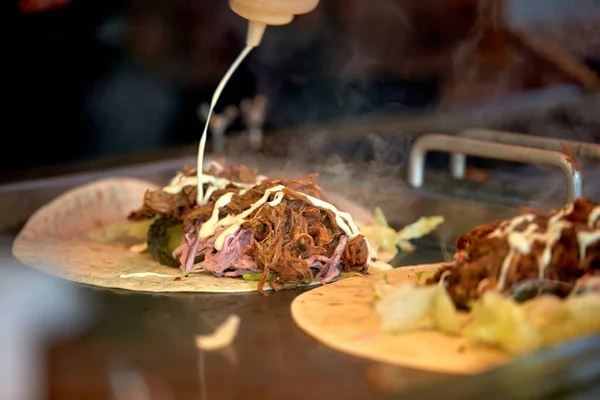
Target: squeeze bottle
[[261, 13]]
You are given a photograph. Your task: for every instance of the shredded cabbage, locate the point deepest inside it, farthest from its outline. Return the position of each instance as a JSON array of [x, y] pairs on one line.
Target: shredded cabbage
[[385, 239], [495, 319], [499, 320], [540, 322], [406, 307]]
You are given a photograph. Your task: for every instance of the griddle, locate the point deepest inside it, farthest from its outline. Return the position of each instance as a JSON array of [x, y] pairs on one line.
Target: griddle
[[151, 335]]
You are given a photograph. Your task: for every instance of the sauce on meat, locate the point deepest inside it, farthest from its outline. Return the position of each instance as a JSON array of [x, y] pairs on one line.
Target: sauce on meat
[[522, 241]]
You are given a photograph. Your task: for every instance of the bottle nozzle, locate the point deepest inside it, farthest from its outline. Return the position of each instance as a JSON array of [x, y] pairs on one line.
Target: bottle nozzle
[[255, 33]]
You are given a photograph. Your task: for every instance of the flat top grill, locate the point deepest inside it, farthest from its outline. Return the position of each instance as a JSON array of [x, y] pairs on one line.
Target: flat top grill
[[151, 336]]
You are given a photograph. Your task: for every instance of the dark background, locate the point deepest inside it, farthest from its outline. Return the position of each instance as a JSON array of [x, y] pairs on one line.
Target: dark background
[[92, 78]]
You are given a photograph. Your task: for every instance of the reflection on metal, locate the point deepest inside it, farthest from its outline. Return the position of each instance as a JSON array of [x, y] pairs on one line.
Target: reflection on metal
[[254, 112], [34, 310], [581, 149], [128, 383], [463, 146]]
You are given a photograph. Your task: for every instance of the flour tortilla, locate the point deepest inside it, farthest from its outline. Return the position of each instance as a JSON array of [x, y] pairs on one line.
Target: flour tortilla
[[341, 315], [58, 240]]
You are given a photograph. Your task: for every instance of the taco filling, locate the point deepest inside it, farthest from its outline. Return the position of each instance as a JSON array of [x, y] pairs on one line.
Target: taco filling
[[279, 231], [526, 283], [534, 253]]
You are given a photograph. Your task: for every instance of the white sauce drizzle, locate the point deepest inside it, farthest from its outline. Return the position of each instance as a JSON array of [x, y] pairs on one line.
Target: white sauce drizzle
[[209, 192], [504, 268], [343, 219], [234, 222], [593, 217], [180, 181], [208, 228], [143, 275], [213, 103], [482, 285], [501, 231], [585, 239], [278, 197], [522, 242]]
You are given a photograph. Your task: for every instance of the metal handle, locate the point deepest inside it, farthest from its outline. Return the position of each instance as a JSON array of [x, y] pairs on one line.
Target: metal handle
[[458, 161], [463, 146]]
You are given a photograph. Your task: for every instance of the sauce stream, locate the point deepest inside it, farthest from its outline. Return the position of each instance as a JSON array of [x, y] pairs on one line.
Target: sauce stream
[[213, 103]]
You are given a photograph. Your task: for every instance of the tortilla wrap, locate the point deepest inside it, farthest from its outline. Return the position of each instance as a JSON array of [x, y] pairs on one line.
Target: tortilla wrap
[[61, 239], [342, 316]]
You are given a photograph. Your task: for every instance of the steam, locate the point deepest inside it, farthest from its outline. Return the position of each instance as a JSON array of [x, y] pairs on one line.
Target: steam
[[372, 166]]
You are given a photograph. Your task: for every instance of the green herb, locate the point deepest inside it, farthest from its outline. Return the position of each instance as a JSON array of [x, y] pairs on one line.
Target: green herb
[[385, 279], [419, 275]]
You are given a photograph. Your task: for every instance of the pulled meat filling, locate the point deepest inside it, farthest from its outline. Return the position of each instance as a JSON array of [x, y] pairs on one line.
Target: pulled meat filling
[[481, 253], [291, 242]]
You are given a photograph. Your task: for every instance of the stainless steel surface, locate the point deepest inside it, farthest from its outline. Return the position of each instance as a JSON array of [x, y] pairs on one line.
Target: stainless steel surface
[[463, 146], [401, 204], [149, 337], [579, 149]]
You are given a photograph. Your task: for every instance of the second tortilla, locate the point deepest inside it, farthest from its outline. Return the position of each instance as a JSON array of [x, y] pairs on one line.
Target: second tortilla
[[342, 316]]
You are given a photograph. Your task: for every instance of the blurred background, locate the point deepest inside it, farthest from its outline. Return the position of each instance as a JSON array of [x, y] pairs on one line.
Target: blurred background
[[102, 78]]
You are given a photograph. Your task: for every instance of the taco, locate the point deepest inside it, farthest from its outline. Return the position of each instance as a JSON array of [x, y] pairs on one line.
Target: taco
[[514, 287], [247, 232]]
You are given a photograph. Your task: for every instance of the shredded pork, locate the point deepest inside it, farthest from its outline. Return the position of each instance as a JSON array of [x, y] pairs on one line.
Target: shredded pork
[[289, 243], [480, 254]]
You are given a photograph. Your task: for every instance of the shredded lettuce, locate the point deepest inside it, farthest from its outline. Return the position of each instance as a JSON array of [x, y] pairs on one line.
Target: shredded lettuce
[[540, 322], [495, 319], [385, 239], [584, 310], [406, 307], [499, 320]]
